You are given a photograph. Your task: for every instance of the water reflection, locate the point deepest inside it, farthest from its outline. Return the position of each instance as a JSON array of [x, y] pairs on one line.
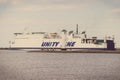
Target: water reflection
[[21, 65]]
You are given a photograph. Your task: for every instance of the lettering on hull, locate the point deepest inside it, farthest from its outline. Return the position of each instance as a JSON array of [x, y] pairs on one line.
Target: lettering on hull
[[50, 44], [70, 44], [55, 44]]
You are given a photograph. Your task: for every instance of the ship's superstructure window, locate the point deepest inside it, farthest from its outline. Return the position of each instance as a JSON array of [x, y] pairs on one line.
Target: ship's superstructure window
[[18, 34], [38, 32], [83, 41], [52, 36], [99, 42]]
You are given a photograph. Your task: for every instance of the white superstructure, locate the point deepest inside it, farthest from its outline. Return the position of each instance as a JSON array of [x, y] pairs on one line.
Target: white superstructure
[[62, 41]]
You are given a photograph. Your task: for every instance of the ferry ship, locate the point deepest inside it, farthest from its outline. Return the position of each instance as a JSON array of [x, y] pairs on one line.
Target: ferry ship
[[65, 40]]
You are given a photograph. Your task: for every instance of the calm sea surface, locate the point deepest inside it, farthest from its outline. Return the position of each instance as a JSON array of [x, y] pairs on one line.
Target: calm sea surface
[[22, 65]]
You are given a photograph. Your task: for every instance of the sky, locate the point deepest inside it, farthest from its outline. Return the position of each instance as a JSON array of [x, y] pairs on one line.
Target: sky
[[97, 17]]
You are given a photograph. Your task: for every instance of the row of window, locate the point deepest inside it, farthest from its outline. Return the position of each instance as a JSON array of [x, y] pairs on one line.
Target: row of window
[[88, 41]]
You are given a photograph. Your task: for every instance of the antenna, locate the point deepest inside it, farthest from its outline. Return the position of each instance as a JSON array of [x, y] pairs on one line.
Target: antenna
[[76, 28]]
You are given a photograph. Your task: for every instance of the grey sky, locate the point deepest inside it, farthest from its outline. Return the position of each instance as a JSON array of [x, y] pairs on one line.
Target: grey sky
[[98, 17]]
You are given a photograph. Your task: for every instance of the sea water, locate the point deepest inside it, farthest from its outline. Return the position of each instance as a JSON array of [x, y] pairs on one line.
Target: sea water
[[22, 65]]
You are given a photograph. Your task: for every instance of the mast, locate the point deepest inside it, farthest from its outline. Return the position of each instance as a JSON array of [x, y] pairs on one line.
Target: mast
[[77, 29]]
